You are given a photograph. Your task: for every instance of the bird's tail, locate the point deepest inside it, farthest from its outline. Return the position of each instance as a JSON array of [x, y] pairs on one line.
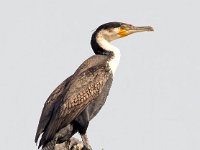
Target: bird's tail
[[50, 146]]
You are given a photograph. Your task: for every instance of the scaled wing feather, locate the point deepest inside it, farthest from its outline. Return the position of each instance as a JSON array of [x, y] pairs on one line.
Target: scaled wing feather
[[55, 97], [84, 89]]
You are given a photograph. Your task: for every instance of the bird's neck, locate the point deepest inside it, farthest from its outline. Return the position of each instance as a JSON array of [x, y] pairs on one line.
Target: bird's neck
[[102, 46]]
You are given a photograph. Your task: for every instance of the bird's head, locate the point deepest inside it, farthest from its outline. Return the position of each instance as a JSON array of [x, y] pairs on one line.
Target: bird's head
[[115, 30], [108, 32]]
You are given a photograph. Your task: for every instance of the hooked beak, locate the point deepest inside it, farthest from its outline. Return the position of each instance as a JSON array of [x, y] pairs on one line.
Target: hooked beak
[[127, 29], [141, 29]]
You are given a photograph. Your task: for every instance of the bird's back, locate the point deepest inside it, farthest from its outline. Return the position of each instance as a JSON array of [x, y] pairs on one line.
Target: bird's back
[[56, 98]]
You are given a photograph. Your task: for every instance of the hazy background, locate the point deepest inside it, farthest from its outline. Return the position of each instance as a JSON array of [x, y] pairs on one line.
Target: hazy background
[[154, 103]]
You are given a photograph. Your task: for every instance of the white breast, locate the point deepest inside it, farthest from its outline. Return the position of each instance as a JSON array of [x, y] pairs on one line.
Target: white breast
[[105, 44], [114, 62]]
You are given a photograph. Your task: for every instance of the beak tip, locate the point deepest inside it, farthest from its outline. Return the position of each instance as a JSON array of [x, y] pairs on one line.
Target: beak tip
[[151, 28]]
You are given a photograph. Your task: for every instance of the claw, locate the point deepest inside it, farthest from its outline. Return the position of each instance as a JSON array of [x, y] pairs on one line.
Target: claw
[[85, 143]]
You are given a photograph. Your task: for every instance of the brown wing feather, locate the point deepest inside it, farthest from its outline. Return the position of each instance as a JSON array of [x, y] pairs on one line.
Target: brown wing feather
[[55, 97], [84, 89]]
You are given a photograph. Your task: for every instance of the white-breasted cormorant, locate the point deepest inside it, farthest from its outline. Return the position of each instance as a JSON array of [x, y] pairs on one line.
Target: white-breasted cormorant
[[79, 98]]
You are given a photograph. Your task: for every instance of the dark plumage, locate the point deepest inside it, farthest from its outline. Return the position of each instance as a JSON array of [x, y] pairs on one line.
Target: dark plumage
[[80, 97], [65, 103]]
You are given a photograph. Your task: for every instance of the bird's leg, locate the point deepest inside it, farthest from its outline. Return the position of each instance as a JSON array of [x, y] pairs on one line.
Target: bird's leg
[[82, 123], [85, 142], [67, 143]]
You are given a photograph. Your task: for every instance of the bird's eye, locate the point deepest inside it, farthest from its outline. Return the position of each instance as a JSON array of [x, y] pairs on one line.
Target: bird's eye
[[123, 27]]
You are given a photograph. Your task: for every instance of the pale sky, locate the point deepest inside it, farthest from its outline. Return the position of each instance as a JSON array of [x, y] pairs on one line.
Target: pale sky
[[154, 103]]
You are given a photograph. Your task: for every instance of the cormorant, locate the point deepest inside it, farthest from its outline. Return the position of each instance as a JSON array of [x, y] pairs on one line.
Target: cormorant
[[79, 98]]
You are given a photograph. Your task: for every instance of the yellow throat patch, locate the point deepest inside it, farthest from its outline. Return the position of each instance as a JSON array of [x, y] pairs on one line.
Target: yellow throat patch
[[122, 32]]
